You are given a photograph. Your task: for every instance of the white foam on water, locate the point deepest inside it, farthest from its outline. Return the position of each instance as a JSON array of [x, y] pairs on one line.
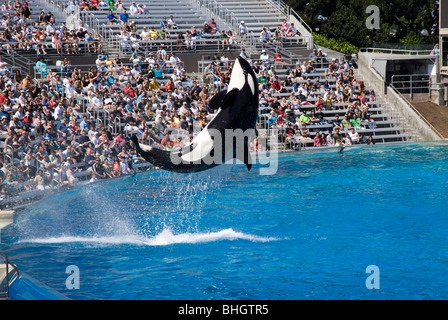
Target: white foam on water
[[164, 238]]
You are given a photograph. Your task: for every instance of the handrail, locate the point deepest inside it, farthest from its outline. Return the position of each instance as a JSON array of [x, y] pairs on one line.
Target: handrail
[[9, 282], [423, 81], [416, 111], [396, 51], [287, 10]]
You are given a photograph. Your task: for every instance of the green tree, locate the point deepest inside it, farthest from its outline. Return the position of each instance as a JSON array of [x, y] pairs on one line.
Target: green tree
[[401, 21]]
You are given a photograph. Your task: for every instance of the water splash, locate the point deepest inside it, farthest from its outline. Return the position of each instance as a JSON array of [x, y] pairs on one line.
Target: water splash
[[164, 238], [133, 208]]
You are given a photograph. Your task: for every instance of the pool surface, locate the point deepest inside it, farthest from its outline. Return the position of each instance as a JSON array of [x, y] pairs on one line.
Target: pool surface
[[309, 231]]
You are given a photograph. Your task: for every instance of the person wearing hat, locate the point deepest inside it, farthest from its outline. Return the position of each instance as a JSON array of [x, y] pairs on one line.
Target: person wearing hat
[[133, 9], [243, 54], [264, 56], [242, 30], [305, 118], [313, 54]]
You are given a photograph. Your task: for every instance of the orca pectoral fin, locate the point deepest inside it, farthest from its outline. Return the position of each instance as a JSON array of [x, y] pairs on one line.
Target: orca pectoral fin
[[215, 101], [229, 98]]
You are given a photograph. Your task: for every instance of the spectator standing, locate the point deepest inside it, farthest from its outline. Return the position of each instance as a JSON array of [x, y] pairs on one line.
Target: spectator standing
[[242, 30]]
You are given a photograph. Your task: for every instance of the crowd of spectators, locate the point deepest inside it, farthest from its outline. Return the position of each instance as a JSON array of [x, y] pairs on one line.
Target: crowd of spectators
[[296, 103], [48, 136], [70, 123], [131, 36], [22, 30]]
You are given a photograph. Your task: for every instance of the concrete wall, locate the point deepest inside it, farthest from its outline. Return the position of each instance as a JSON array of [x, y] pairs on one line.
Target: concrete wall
[[408, 117], [412, 118]]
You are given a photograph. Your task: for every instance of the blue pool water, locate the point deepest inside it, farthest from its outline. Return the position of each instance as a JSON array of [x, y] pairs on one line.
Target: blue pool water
[[307, 232]]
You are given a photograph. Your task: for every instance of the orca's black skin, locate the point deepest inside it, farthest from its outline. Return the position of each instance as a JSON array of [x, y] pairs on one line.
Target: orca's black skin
[[239, 110]]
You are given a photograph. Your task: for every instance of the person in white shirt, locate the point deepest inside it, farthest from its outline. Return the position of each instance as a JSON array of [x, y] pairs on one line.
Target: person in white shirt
[[144, 34], [150, 60], [177, 81], [135, 72], [171, 23], [338, 94], [58, 111], [264, 56], [133, 9], [184, 108], [174, 60], [170, 102], [100, 64], [134, 41], [50, 29], [176, 92], [124, 40], [194, 109], [162, 51], [97, 101], [224, 59], [354, 136], [70, 90], [264, 36]]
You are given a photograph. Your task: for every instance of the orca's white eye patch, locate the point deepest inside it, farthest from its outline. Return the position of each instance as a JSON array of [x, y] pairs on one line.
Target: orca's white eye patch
[[251, 83]]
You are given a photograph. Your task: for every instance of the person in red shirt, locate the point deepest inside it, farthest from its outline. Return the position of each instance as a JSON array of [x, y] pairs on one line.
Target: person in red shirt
[[84, 5], [276, 84], [128, 90], [4, 96], [28, 119]]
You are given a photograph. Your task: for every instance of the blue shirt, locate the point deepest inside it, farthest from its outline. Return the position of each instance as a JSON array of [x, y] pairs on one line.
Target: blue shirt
[[158, 73], [84, 125], [124, 17]]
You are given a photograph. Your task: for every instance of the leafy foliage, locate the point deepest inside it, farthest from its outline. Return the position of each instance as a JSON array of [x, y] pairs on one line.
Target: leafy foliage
[[401, 21], [340, 46]]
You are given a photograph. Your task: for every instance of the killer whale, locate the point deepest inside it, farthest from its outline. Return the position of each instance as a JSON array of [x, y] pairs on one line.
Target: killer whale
[[237, 111]]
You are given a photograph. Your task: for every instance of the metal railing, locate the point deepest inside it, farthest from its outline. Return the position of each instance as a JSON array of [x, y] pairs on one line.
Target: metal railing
[[9, 278], [396, 51], [412, 83], [288, 11], [251, 41], [422, 118]]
